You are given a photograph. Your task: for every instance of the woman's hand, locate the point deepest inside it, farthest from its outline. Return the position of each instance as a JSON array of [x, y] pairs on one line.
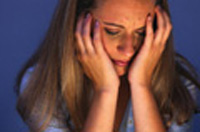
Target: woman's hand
[[143, 65], [94, 60]]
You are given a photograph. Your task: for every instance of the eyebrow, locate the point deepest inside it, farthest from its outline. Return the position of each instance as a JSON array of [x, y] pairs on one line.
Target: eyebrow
[[120, 26]]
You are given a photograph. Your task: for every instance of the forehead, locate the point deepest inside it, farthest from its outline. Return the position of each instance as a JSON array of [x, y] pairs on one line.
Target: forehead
[[126, 12]]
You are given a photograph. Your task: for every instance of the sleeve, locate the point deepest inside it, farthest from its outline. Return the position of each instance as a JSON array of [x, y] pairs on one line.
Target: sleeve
[[25, 79], [55, 125], [190, 125]]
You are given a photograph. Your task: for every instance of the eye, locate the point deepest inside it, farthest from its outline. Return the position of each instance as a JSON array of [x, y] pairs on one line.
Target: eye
[[111, 32], [142, 34]]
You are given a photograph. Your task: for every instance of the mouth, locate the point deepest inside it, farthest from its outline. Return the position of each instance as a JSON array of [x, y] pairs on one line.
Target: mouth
[[120, 63]]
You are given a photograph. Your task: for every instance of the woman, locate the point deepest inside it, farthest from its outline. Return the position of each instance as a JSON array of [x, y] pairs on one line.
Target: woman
[[103, 62]]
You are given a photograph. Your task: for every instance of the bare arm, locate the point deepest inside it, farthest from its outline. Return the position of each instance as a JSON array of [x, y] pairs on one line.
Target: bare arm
[[99, 68], [102, 112], [145, 112]]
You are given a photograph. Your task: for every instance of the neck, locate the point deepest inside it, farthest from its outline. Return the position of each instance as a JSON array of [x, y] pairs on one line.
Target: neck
[[124, 89]]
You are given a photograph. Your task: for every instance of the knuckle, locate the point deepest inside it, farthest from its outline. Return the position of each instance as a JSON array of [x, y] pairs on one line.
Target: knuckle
[[78, 58], [85, 31], [91, 54], [170, 26], [95, 40], [156, 42], [149, 30], [84, 34], [151, 33], [164, 25], [162, 48], [84, 37], [83, 57], [162, 30], [77, 34], [161, 44]]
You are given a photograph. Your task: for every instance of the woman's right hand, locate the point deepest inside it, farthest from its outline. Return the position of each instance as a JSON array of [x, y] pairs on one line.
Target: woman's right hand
[[94, 59]]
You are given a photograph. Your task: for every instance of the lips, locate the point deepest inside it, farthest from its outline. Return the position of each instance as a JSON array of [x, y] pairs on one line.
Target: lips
[[120, 63]]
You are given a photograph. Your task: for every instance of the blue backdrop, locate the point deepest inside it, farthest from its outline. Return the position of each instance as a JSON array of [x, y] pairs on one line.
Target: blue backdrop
[[23, 25]]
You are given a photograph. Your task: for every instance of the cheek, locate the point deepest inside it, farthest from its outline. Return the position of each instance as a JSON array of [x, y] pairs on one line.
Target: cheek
[[138, 42], [109, 44]]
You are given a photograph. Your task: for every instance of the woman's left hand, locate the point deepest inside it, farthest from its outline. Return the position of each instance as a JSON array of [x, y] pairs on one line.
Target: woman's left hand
[[142, 67]]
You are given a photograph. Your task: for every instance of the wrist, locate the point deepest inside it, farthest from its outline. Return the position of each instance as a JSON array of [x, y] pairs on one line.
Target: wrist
[[106, 94], [144, 84], [139, 81], [139, 86], [110, 89]]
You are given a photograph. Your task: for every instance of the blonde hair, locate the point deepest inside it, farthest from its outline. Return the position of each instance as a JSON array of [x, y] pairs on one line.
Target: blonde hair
[[59, 83]]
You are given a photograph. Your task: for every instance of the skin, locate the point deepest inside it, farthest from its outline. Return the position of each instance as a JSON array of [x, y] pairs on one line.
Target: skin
[[96, 54], [124, 44]]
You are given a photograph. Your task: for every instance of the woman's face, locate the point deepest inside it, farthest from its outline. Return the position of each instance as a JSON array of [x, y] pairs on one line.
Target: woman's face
[[122, 28]]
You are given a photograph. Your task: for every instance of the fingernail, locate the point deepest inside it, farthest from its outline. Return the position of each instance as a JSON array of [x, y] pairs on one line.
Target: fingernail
[[159, 8], [149, 17], [96, 24], [88, 15]]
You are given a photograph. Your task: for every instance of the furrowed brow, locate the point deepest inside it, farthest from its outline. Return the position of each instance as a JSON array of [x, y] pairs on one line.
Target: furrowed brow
[[113, 24], [120, 26]]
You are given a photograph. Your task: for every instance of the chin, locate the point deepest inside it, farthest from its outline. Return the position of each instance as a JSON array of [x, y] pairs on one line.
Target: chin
[[120, 71], [121, 74]]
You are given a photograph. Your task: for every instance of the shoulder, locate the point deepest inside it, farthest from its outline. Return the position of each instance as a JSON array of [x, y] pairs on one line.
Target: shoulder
[[55, 124], [191, 87], [195, 93], [185, 68], [26, 78]]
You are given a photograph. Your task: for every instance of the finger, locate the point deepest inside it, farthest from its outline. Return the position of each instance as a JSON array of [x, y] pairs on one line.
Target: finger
[[161, 26], [97, 38], [149, 32], [86, 31], [80, 45], [168, 28]]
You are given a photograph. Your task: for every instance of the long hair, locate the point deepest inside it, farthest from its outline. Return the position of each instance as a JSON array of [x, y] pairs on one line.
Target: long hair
[[59, 88]]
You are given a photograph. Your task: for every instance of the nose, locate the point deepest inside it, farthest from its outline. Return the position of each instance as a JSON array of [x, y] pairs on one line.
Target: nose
[[127, 47]]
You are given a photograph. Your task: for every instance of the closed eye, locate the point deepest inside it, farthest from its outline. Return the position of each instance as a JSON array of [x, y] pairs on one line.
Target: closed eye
[[111, 32], [141, 33]]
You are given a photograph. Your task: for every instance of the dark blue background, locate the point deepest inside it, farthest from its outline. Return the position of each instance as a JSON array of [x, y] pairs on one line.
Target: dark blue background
[[23, 24]]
